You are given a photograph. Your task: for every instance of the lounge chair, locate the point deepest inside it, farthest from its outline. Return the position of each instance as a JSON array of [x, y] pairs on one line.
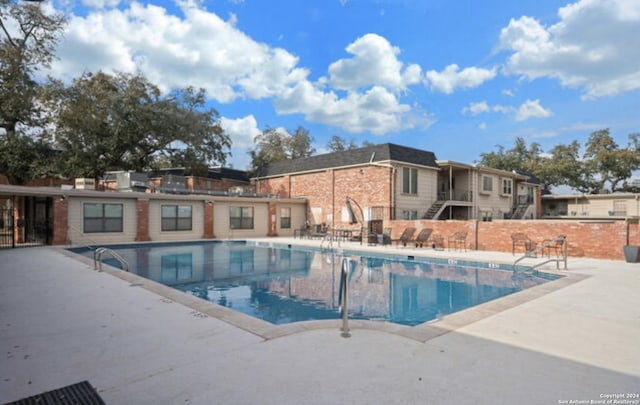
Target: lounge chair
[[406, 236], [521, 239], [458, 240], [423, 237]]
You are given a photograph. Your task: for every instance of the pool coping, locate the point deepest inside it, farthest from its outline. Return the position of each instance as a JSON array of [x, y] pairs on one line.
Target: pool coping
[[267, 331]]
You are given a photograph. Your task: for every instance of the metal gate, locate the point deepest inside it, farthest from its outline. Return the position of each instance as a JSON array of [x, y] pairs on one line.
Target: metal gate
[[25, 221], [6, 224]]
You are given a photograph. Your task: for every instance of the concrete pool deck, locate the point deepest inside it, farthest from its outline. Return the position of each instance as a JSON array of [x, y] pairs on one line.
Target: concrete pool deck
[[61, 322]]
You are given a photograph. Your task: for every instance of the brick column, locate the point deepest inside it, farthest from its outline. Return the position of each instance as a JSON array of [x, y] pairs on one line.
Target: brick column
[[273, 219], [142, 212], [60, 220], [208, 221]]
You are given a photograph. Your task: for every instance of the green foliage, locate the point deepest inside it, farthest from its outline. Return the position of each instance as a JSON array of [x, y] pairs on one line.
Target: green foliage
[[338, 144], [602, 167], [26, 48], [23, 159], [274, 145], [122, 122]]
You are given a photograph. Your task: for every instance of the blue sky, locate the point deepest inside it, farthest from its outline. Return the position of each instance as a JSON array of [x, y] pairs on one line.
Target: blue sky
[[453, 77]]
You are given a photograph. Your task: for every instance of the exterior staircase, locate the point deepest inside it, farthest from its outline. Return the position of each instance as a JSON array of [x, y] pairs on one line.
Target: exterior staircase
[[520, 211], [435, 210]]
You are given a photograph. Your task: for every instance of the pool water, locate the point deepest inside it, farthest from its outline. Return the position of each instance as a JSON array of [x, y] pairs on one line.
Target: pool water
[[284, 284]]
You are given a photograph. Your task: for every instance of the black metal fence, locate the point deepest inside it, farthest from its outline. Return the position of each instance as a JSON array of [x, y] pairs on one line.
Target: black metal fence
[[22, 231]]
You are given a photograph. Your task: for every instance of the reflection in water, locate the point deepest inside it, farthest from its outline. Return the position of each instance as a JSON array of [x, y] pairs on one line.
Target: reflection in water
[[289, 285]]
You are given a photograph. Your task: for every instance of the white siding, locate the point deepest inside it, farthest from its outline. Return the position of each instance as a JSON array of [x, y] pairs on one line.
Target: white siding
[[493, 200], [155, 221], [427, 192], [298, 218], [221, 220], [76, 234]]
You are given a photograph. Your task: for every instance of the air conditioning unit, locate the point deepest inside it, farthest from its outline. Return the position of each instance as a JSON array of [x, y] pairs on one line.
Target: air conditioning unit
[[131, 181], [85, 184]]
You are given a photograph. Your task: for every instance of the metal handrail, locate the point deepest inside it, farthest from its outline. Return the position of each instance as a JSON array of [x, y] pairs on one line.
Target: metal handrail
[[97, 258], [343, 297], [82, 235], [560, 240], [327, 238]]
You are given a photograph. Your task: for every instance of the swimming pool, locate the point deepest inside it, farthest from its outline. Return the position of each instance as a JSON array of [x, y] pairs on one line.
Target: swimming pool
[[284, 283]]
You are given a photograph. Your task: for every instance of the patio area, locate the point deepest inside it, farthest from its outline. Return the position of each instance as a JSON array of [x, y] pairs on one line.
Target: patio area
[[61, 322]]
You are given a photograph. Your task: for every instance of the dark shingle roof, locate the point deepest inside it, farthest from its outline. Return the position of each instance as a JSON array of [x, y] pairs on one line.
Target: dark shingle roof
[[375, 153]]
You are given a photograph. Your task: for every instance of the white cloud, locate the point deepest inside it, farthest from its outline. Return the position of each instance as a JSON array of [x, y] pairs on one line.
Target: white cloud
[[376, 110], [242, 131], [374, 63], [100, 3], [482, 107], [528, 109], [594, 46], [452, 78], [199, 48], [532, 109], [175, 52]]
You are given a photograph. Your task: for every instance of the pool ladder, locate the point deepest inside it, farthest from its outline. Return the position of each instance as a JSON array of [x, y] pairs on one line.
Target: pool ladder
[[559, 244], [343, 297], [97, 258]]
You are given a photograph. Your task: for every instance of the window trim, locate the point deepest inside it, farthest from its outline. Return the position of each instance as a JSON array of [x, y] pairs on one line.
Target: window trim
[[503, 181], [407, 214], [175, 220], [245, 222], [483, 189], [410, 186], [103, 218], [285, 220]]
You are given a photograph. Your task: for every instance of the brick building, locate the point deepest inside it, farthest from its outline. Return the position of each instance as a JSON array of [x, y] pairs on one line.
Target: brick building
[[390, 182]]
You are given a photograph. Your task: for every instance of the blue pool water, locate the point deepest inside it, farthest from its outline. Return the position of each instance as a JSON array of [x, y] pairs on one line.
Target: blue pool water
[[284, 284]]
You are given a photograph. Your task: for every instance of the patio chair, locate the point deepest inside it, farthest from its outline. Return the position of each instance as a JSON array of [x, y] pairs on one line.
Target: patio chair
[[303, 232], [458, 240], [385, 237], [320, 231], [555, 245], [423, 237], [521, 239], [406, 236]]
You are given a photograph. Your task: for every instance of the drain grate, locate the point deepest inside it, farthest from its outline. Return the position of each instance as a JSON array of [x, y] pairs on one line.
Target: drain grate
[[81, 393]]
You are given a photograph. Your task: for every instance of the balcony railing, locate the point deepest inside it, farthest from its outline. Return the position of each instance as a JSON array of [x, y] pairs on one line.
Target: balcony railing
[[455, 196]]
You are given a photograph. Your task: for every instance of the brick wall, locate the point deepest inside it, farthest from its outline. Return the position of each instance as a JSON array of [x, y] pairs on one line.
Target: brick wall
[[208, 221], [595, 239], [60, 221], [327, 190], [278, 186], [142, 212]]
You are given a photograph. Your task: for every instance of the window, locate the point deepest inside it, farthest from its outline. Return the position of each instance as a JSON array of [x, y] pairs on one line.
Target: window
[[176, 267], [176, 217], [620, 208], [241, 261], [487, 184], [241, 217], [285, 218], [409, 214], [409, 180], [102, 217], [507, 185]]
